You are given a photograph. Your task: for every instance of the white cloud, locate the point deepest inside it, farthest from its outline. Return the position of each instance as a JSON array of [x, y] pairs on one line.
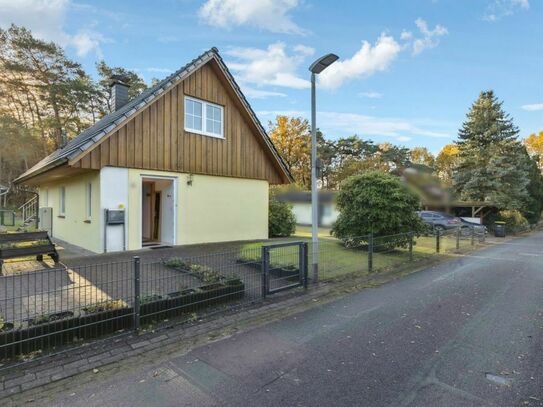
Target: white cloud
[[260, 94], [430, 38], [45, 18], [304, 50], [368, 60], [406, 35], [270, 15], [371, 95], [498, 9], [338, 124], [272, 66], [403, 138], [533, 107], [278, 65]]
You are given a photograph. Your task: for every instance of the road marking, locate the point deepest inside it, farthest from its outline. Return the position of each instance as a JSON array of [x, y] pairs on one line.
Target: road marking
[[529, 254]]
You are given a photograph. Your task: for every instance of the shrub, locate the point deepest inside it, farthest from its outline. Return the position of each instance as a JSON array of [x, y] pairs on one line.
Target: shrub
[[378, 203], [514, 220], [281, 222], [177, 263], [206, 274], [107, 305]]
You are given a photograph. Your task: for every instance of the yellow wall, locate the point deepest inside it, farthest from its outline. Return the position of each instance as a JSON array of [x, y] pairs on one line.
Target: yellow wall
[[73, 228], [212, 209]]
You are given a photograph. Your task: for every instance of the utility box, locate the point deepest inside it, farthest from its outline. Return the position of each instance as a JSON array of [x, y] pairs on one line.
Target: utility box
[[114, 230], [45, 220]]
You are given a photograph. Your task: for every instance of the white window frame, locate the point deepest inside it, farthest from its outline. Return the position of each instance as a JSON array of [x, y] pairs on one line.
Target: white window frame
[[88, 201], [204, 132], [62, 201]]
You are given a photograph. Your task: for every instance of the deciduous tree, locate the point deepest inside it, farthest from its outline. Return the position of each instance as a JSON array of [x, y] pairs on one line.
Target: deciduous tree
[[534, 145], [292, 138]]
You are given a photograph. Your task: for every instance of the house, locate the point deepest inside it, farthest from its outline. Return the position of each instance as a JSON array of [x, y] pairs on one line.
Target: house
[[301, 206], [185, 162], [328, 212]]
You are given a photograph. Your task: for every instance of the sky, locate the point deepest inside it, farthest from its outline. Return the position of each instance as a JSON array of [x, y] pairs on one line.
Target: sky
[[407, 74]]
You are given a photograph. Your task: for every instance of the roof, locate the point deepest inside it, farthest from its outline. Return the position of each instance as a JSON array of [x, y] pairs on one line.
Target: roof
[[88, 138]]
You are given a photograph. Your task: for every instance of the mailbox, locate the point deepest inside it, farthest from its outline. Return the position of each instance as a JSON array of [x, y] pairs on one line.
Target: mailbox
[[114, 216]]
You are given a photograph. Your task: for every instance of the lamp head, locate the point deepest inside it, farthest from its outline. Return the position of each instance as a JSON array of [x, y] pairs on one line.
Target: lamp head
[[322, 63]]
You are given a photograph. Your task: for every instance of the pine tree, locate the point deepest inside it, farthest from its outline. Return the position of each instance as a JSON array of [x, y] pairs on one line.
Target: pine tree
[[490, 156]]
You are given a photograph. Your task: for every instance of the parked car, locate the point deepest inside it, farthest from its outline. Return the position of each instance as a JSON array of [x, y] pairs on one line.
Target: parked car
[[479, 229], [439, 220]]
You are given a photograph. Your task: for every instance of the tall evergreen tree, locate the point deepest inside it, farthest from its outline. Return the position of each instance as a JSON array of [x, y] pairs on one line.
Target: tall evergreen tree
[[489, 156]]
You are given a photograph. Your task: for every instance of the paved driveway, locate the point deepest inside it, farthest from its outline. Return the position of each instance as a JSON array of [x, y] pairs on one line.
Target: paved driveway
[[465, 333]]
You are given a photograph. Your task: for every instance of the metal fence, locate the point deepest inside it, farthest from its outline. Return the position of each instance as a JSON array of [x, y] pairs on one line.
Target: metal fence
[[41, 311], [7, 217]]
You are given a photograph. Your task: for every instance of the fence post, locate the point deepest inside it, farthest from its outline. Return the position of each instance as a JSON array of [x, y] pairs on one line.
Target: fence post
[[458, 238], [411, 246], [303, 261], [438, 233], [264, 278], [137, 266], [472, 235], [370, 252]]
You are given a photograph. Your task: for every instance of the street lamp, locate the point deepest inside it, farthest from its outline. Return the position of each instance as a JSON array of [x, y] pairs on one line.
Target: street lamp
[[316, 68]]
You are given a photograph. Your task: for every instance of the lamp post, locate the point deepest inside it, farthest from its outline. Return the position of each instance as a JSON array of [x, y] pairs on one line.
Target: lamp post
[[316, 68]]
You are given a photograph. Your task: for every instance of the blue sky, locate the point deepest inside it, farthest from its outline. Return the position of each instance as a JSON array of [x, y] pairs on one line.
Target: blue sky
[[409, 70]]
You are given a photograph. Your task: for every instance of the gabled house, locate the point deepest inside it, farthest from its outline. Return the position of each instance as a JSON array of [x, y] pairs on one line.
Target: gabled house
[[185, 162]]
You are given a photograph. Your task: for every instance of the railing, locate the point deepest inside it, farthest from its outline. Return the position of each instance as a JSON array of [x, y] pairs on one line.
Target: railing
[[44, 310], [29, 210]]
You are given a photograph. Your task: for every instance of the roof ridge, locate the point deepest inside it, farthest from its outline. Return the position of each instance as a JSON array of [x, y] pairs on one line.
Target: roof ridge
[[88, 137]]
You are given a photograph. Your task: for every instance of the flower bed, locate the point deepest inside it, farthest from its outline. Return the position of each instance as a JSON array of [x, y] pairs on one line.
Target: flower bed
[[41, 332], [191, 300]]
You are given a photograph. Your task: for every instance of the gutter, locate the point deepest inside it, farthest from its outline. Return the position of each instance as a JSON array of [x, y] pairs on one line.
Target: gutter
[[50, 166]]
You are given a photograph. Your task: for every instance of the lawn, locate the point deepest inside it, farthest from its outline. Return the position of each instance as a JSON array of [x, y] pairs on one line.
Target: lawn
[[335, 260]]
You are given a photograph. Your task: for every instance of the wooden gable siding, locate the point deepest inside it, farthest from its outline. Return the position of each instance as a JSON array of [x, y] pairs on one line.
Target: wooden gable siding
[[155, 138]]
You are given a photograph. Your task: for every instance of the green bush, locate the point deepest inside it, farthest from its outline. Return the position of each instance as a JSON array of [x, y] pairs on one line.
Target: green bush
[[378, 203], [281, 222], [177, 263], [514, 220], [206, 274]]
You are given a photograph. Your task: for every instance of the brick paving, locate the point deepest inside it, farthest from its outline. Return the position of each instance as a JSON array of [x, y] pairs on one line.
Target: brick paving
[[49, 369]]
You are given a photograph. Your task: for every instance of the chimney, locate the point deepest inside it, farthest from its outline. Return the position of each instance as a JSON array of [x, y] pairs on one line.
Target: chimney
[[119, 91]]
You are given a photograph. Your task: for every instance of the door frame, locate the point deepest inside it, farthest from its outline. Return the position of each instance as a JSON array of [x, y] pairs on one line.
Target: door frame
[[151, 177]]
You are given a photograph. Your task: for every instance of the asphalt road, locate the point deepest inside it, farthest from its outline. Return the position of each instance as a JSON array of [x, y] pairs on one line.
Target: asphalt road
[[468, 332]]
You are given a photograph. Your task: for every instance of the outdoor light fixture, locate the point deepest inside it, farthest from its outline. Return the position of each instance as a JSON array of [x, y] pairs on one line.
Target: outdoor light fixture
[[316, 68], [322, 63]]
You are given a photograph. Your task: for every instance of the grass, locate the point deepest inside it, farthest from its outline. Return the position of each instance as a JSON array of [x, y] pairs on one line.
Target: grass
[[336, 260]]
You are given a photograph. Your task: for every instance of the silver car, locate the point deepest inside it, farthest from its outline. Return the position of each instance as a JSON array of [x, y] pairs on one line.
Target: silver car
[[439, 220]]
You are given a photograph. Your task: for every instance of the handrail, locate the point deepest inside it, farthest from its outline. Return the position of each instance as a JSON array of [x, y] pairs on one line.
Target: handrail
[[29, 202]]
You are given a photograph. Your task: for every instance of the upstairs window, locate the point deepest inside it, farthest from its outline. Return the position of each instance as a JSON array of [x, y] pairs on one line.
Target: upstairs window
[[203, 117]]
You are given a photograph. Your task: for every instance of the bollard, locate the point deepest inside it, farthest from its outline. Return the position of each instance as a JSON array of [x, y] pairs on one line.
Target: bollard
[[472, 235], [437, 240]]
